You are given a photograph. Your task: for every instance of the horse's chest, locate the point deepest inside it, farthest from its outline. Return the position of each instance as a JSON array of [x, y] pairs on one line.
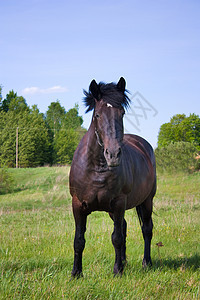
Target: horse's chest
[[100, 192]]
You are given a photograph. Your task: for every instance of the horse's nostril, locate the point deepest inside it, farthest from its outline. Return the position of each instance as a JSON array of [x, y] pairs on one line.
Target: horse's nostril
[[115, 154], [119, 153]]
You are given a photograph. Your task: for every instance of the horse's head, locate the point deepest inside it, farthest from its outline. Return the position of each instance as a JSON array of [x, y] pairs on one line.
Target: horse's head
[[108, 102]]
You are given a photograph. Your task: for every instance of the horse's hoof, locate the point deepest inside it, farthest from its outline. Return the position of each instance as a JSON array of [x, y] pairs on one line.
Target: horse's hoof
[[118, 271], [118, 274], [146, 264], [76, 275]]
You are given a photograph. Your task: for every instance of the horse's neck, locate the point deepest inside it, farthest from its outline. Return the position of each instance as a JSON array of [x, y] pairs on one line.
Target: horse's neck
[[95, 150]]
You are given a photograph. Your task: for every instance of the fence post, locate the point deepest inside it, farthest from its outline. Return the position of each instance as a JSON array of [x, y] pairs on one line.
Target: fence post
[[17, 147]]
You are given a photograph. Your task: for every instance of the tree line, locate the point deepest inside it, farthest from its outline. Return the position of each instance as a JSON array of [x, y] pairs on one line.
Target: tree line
[[38, 138], [52, 138]]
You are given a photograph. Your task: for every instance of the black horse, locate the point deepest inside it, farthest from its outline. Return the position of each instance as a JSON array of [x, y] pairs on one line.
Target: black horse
[[111, 171]]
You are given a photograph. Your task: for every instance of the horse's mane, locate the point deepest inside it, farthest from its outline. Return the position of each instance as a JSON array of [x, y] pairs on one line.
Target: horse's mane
[[110, 94]]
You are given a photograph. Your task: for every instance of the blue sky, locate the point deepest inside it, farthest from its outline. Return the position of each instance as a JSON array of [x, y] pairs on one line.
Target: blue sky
[[52, 50]]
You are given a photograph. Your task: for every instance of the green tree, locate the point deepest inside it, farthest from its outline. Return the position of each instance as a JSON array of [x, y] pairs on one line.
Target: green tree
[[13, 102], [166, 135], [33, 140], [65, 144], [34, 143], [18, 105], [190, 129], [68, 137], [7, 139], [6, 102], [54, 116], [52, 138], [0, 96], [180, 128], [72, 119]]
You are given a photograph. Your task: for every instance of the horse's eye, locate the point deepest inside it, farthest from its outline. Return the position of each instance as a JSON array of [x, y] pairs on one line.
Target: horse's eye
[[97, 116]]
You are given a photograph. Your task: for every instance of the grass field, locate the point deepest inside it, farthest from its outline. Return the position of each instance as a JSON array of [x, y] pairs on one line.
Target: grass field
[[36, 243]]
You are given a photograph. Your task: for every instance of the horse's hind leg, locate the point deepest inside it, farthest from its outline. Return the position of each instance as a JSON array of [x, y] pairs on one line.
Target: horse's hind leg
[[144, 212], [79, 241], [123, 255]]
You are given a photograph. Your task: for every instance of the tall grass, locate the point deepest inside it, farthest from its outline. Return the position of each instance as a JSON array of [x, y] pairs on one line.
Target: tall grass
[[36, 243]]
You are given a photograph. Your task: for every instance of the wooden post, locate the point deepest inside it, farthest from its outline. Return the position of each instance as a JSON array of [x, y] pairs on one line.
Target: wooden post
[[17, 147]]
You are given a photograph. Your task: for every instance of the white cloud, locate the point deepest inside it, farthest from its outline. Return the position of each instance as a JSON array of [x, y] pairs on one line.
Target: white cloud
[[31, 90], [36, 90]]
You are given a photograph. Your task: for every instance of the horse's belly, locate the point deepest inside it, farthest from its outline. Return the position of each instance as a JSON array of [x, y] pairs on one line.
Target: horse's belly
[[139, 193]]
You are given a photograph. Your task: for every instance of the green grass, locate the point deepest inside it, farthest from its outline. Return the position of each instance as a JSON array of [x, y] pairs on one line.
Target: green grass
[[36, 243]]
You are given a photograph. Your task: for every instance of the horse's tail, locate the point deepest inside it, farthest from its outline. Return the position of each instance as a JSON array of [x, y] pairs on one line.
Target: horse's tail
[[138, 209]]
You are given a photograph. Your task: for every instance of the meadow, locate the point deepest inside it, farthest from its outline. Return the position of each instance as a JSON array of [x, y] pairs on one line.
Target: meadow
[[37, 232]]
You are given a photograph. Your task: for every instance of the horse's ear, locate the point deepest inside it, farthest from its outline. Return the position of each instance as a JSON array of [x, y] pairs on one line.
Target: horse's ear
[[95, 90], [121, 85]]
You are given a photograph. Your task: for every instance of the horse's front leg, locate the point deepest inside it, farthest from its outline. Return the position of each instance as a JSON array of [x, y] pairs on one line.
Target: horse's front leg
[[118, 235], [123, 252], [79, 241]]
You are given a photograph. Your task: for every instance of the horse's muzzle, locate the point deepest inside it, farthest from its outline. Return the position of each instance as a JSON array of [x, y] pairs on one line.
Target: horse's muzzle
[[113, 156]]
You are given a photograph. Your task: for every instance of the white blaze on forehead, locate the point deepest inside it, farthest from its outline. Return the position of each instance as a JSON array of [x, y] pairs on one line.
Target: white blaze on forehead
[[109, 105]]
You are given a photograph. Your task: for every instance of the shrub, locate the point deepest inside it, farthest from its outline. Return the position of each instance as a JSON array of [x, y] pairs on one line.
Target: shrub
[[176, 157], [6, 181]]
